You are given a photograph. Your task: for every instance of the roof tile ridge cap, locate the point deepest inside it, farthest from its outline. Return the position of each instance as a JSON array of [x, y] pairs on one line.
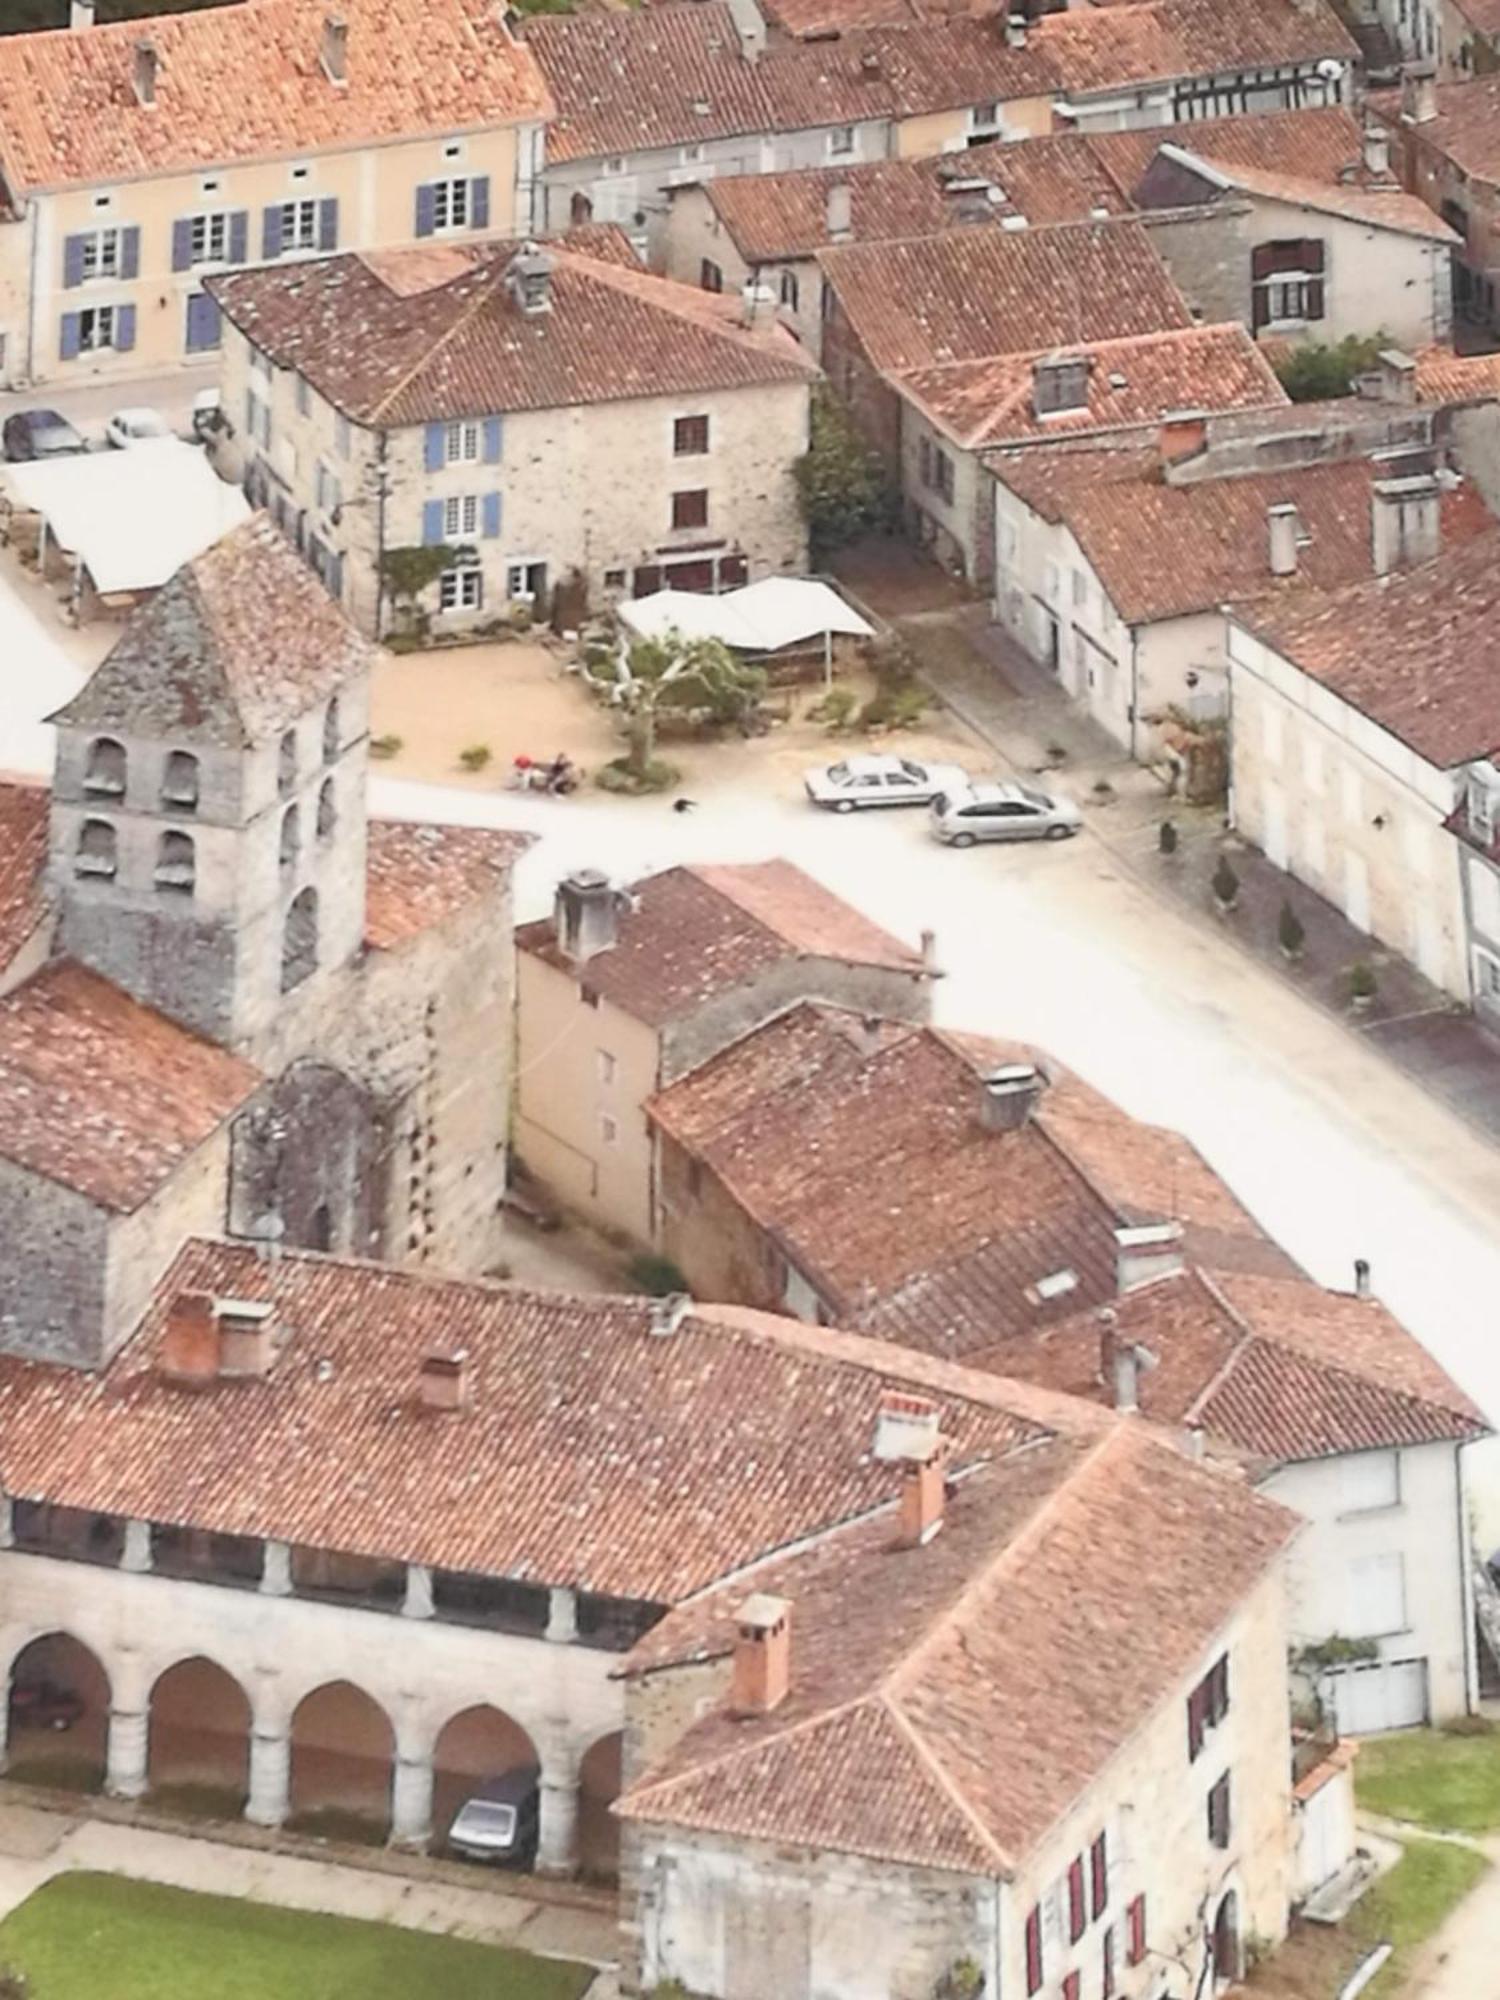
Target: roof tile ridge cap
[[483, 294], [1236, 1354], [205, 605], [1042, 1120], [799, 1727], [945, 1781], [659, 292]]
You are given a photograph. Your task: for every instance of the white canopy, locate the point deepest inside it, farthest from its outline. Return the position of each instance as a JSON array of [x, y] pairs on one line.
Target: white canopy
[[36, 676], [132, 517], [762, 618]]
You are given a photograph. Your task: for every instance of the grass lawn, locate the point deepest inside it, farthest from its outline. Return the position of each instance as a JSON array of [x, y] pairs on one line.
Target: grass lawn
[[100, 1937], [1433, 1779]]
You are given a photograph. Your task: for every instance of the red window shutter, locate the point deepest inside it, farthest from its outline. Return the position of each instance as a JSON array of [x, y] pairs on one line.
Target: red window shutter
[[1099, 1874], [1077, 1914], [1260, 315], [1072, 1986], [1034, 1950], [1263, 260], [1107, 1962], [1196, 1706], [1312, 254], [1135, 1949], [1314, 298]]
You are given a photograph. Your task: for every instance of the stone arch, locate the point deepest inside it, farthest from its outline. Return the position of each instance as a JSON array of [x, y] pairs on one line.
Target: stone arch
[[59, 1701], [98, 849], [286, 762], [473, 1746], [291, 837], [180, 781], [176, 862], [299, 943], [598, 1788], [343, 1757], [328, 815], [104, 768], [199, 1742], [315, 1152], [1224, 1942]]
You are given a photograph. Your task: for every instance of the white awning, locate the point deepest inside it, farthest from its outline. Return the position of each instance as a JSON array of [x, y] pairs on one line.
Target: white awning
[[132, 517], [764, 617], [36, 677]]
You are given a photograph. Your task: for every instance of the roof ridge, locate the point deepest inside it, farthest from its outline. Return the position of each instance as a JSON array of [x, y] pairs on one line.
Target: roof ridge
[[943, 1779], [1231, 1360], [460, 322], [665, 294], [801, 1727]]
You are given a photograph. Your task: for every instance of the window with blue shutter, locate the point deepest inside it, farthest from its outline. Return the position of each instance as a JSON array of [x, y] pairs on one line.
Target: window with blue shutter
[[73, 255], [479, 202], [239, 235], [328, 223], [432, 447], [130, 252], [432, 523], [124, 329], [182, 243], [426, 209], [202, 323], [67, 345], [491, 515], [270, 231], [493, 432]]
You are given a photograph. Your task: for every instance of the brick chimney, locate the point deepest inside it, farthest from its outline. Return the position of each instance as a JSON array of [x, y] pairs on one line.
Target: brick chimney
[[443, 1380], [1375, 144], [750, 27], [1153, 1250], [1121, 1363], [762, 1655], [336, 48], [1181, 434], [143, 75], [586, 914], [1009, 1095], [190, 1341], [922, 1498], [247, 1336], [907, 1427]]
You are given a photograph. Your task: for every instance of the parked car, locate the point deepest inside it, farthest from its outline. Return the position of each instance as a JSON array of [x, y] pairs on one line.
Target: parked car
[[137, 426], [208, 418], [44, 1705], [857, 782], [499, 1822], [40, 434], [1002, 812]]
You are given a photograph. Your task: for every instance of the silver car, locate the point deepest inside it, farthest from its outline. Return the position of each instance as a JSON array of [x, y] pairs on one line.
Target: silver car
[[1002, 812], [857, 782], [499, 1822]]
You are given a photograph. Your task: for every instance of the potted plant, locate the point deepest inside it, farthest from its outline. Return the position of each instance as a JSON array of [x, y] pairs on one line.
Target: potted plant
[[1226, 885], [1166, 837], [1363, 985], [1290, 934]]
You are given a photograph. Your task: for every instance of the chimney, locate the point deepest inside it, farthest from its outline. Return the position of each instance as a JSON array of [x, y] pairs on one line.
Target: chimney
[[762, 1655], [750, 26], [1284, 524], [1009, 1095], [529, 278], [1120, 1364], [668, 1313], [1153, 1250], [1377, 152], [586, 914], [839, 213], [247, 1329], [189, 1351], [922, 1497], [443, 1380], [1059, 382], [1181, 434], [929, 954], [1404, 522], [1361, 1278], [146, 64], [1395, 376], [1419, 94], [81, 14], [907, 1427], [1015, 31], [336, 48]]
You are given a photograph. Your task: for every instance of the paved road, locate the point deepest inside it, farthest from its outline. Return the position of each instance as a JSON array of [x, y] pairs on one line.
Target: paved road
[[90, 403]]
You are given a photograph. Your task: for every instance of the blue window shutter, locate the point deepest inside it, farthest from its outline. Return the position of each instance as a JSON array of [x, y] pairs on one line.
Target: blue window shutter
[[270, 231], [124, 329], [239, 235], [67, 345], [493, 429], [202, 323], [432, 447], [491, 515], [426, 209], [432, 523], [72, 261], [479, 202], [130, 252], [328, 223], [182, 243], [335, 577]]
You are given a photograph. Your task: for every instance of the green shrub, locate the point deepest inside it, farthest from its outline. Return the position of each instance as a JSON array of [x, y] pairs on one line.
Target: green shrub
[[617, 776], [1363, 985], [656, 1274], [1289, 931], [386, 746], [1314, 371], [835, 710], [475, 757]]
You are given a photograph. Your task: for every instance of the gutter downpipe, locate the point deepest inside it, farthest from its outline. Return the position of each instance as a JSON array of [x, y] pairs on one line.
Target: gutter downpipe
[[34, 210], [381, 484]]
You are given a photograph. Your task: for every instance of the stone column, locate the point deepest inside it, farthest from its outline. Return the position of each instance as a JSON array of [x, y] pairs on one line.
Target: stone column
[[125, 1758], [276, 1570], [411, 1801], [136, 1554], [557, 1840], [7, 1522], [270, 1775], [417, 1602], [562, 1616]]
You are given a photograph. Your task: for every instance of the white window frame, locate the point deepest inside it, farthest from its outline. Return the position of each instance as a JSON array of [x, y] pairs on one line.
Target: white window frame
[[299, 224], [452, 204], [97, 326], [843, 141], [460, 517], [209, 237], [1486, 974], [1286, 300], [517, 567], [461, 588], [101, 253], [1369, 1483], [461, 442]]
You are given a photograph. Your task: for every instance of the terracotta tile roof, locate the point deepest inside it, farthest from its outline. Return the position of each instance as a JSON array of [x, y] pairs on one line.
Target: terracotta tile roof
[[771, 217], [592, 1453], [391, 353], [693, 933], [1100, 49], [1446, 377], [950, 1704], [240, 642], [1466, 129], [808, 19], [101, 1095], [23, 858], [972, 294], [861, 1154], [247, 82], [635, 80], [1322, 143], [1483, 16], [1418, 652], [1378, 206], [1132, 383], [419, 875]]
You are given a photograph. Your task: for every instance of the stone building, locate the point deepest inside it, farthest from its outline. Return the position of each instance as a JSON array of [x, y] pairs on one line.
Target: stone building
[[550, 417], [233, 1003], [1444, 136]]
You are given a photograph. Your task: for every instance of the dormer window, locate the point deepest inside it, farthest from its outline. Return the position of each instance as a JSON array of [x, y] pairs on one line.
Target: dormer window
[[286, 764], [179, 781], [176, 863], [104, 769], [96, 852]]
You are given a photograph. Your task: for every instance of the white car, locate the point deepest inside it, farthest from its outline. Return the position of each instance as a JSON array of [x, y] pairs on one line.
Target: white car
[[1002, 812], [139, 426], [856, 782]]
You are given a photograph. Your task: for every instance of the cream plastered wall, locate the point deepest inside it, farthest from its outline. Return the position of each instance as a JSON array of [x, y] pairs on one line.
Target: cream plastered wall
[[950, 131]]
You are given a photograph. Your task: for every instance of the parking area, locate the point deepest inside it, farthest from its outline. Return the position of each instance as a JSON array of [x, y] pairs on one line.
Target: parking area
[[89, 405]]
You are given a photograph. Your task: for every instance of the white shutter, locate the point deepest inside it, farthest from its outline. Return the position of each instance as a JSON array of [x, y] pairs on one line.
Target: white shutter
[[1375, 1597]]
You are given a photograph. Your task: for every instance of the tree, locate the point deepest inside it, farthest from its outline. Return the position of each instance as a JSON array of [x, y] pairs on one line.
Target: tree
[[1314, 372], [407, 572], [840, 482], [655, 675]]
